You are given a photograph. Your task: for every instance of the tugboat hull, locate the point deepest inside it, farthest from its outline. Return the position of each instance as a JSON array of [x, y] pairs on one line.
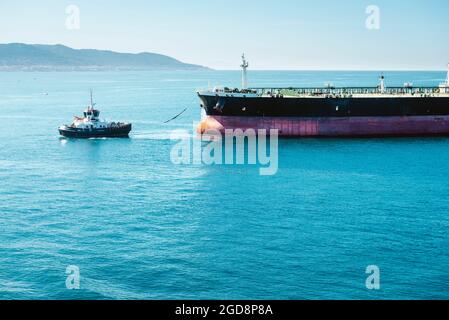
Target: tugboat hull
[[119, 132]]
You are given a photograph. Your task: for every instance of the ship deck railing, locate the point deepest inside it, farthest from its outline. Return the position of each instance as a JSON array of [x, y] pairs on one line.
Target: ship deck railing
[[347, 91]]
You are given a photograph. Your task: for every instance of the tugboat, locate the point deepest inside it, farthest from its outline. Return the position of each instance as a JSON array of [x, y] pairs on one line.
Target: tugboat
[[91, 126]]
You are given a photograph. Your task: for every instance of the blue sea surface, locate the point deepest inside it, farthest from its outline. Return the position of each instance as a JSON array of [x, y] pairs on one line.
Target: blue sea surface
[[140, 227]]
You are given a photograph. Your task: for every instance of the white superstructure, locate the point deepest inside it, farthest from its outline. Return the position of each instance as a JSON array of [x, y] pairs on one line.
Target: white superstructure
[[382, 86]]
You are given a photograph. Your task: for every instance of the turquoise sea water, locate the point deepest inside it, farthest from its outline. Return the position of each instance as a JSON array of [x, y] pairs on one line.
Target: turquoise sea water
[[138, 226]]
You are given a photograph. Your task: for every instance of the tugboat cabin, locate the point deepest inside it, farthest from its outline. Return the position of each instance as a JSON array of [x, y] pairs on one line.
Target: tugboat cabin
[[91, 114]]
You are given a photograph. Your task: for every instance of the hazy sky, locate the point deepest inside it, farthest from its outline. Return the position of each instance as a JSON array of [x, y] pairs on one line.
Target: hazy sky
[[283, 34]]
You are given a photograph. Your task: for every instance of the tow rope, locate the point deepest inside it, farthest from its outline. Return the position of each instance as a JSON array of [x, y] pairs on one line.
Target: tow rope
[[175, 117]]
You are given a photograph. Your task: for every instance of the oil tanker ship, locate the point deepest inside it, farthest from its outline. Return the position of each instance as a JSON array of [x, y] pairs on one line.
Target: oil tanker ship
[[329, 111]]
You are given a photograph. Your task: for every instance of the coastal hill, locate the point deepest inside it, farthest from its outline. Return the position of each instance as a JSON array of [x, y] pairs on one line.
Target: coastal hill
[[26, 57]]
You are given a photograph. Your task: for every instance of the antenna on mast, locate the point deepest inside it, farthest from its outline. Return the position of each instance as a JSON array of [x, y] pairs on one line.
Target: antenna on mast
[[244, 67], [92, 104], [447, 77]]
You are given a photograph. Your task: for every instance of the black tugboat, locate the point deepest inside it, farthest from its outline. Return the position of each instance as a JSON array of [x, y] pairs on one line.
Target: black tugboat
[[91, 126]]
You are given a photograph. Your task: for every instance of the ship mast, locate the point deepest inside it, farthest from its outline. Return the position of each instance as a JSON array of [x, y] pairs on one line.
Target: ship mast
[[244, 67], [445, 85]]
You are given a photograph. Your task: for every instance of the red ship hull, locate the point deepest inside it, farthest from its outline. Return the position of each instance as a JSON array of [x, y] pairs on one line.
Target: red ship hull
[[333, 126]]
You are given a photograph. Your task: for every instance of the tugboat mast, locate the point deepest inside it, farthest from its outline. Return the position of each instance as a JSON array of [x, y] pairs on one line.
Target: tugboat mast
[[244, 67], [91, 99]]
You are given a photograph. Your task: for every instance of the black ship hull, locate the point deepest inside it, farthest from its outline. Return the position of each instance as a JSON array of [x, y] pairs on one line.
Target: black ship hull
[[324, 107], [117, 132]]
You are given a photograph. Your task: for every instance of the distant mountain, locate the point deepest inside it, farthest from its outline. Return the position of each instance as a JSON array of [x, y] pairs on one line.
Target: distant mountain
[[18, 56]]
